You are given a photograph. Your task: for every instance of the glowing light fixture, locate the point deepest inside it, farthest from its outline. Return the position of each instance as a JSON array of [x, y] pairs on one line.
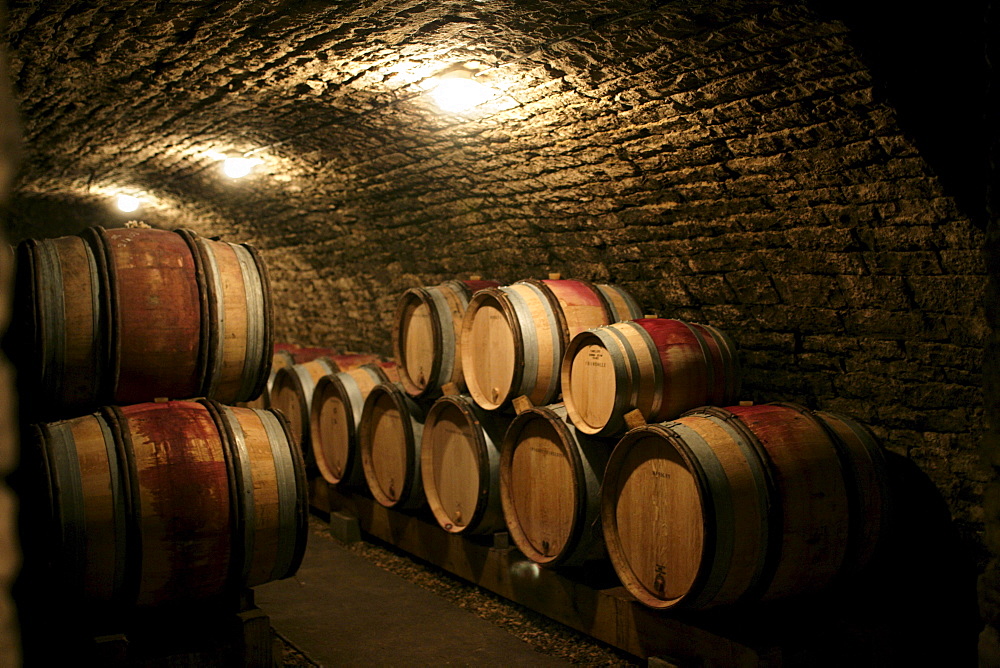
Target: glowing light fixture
[[457, 91], [237, 168], [127, 203]]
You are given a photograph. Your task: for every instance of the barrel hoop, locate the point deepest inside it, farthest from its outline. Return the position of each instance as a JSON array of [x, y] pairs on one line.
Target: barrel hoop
[[626, 375], [444, 363], [557, 417], [255, 355], [208, 300], [635, 311], [413, 486], [282, 447], [244, 489], [375, 372], [353, 392], [117, 500], [259, 369], [95, 309], [554, 306], [877, 460], [109, 341], [216, 317], [527, 332], [719, 513], [483, 448], [731, 359], [771, 507], [131, 578], [855, 514], [70, 503], [658, 381], [559, 343], [234, 485], [462, 290], [52, 316], [706, 354], [602, 297]]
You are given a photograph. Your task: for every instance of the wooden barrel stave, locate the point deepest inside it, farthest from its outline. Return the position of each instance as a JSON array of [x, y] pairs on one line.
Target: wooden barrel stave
[[427, 333], [460, 465], [335, 414], [662, 367], [390, 435], [129, 315], [160, 504], [778, 510], [550, 477], [514, 337]]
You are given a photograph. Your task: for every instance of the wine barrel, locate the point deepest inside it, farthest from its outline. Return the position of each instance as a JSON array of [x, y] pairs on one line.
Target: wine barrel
[[129, 315], [460, 465], [661, 367], [158, 504], [427, 332], [514, 337], [285, 355], [334, 417], [293, 387], [389, 436], [550, 476], [741, 504]]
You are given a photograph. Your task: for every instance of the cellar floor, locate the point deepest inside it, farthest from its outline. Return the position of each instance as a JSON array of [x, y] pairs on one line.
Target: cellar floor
[[341, 609]]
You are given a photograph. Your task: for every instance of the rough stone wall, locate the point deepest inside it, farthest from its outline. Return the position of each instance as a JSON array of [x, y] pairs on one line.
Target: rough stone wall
[[731, 163]]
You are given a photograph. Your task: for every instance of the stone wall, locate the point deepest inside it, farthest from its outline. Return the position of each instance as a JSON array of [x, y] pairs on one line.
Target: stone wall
[[732, 163]]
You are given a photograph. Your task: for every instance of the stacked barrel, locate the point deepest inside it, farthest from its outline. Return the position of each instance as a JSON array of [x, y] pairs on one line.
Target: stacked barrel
[[150, 490], [555, 410]]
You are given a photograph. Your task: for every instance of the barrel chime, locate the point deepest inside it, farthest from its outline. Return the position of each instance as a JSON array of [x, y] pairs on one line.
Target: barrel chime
[[153, 491]]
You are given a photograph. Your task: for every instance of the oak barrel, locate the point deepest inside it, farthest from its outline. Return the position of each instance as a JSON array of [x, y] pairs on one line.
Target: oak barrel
[[550, 476], [460, 465], [427, 332], [660, 366], [163, 503], [129, 315], [293, 387], [334, 418], [389, 436], [514, 337], [746, 503], [284, 355]]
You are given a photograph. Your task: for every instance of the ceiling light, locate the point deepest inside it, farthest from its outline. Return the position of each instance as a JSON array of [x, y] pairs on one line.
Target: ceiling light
[[456, 91], [128, 203], [237, 168]]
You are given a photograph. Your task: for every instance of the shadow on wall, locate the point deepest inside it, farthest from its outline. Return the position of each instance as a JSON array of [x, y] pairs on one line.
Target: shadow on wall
[[931, 64], [916, 602]]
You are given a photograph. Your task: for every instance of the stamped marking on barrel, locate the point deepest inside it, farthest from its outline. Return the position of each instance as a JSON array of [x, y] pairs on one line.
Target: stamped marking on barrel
[[660, 582]]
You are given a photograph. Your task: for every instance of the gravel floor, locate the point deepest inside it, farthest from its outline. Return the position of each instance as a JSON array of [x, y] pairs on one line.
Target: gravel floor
[[543, 634]]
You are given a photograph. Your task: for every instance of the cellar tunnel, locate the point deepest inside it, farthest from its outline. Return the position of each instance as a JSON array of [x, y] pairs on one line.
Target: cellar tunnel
[[812, 178]]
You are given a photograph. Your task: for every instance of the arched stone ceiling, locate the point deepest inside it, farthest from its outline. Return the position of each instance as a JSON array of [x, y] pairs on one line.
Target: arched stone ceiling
[[732, 163]]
